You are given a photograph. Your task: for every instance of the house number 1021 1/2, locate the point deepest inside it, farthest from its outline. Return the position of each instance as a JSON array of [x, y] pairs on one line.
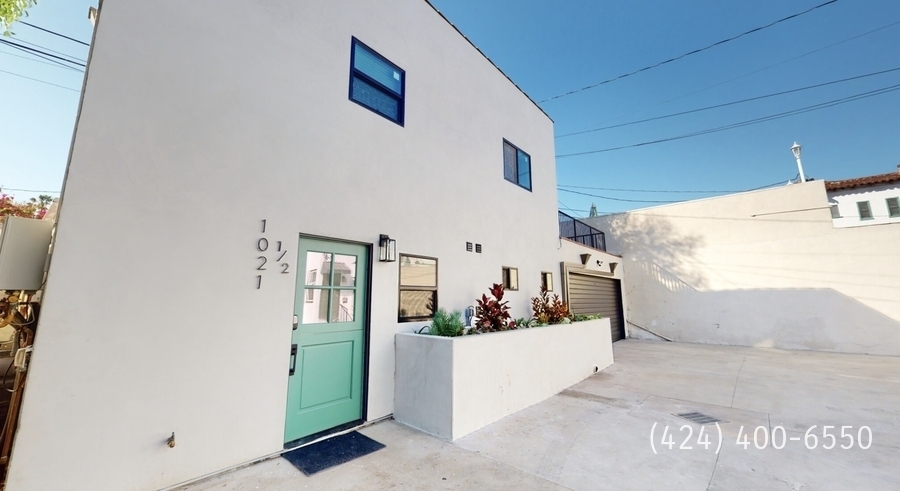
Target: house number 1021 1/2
[[262, 245]]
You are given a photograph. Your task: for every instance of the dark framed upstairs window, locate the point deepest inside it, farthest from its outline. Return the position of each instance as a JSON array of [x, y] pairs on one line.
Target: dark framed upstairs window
[[418, 288], [516, 165], [376, 83]]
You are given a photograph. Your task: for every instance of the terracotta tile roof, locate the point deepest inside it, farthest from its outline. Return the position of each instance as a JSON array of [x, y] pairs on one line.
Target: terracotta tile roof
[[863, 181]]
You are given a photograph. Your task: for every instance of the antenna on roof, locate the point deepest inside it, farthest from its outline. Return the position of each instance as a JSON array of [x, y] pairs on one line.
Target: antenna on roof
[[796, 151]]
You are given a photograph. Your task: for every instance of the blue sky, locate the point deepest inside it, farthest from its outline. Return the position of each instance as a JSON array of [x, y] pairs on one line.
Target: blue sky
[[552, 47]]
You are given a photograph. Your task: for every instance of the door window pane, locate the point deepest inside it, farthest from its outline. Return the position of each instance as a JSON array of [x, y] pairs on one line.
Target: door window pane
[[316, 271], [344, 270], [315, 308], [342, 305]]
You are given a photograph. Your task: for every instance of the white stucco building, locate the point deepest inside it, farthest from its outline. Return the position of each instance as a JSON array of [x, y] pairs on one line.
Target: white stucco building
[[232, 171], [865, 201], [767, 268]]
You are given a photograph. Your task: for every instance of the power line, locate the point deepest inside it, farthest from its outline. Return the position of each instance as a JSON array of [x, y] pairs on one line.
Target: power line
[[772, 117], [754, 71], [33, 52], [2, 188], [52, 63], [43, 53], [730, 103], [55, 33], [671, 191], [40, 81], [644, 190], [44, 48], [756, 29], [616, 199]]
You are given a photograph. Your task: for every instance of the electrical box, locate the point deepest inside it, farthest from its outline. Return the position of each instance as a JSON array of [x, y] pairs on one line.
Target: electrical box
[[24, 246]]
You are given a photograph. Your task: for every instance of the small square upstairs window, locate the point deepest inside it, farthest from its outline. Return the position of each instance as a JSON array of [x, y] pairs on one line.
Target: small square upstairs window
[[547, 281], [865, 211], [510, 278], [893, 205], [516, 165], [376, 83]]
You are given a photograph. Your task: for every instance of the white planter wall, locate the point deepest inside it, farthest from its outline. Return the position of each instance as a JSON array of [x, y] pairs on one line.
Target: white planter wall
[[450, 387]]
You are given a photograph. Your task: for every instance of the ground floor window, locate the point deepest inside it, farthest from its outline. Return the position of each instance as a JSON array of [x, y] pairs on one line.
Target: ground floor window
[[418, 288]]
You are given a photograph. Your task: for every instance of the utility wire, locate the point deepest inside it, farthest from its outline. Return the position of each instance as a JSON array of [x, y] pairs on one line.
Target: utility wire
[[52, 63], [689, 53], [44, 48], [730, 103], [43, 53], [754, 72], [54, 33], [41, 81], [617, 199], [3, 188], [33, 52], [647, 190], [748, 122]]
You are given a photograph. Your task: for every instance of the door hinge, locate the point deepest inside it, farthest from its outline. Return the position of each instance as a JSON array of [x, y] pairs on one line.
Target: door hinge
[[296, 321]]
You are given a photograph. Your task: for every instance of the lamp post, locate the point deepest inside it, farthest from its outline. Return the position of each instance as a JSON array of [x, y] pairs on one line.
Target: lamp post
[[796, 151]]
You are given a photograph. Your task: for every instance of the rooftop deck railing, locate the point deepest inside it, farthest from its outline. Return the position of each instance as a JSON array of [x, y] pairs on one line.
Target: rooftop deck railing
[[574, 229]]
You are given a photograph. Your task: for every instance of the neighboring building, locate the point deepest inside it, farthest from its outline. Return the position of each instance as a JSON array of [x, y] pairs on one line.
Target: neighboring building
[[762, 268], [863, 201], [256, 153]]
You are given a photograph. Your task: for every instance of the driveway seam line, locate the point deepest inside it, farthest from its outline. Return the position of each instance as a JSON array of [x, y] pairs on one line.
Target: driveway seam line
[[736, 381]]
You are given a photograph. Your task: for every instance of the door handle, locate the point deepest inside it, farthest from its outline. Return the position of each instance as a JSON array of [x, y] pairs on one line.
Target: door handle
[[293, 359]]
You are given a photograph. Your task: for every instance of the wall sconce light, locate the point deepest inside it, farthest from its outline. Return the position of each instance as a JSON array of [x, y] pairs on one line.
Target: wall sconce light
[[387, 249], [612, 268], [585, 258]]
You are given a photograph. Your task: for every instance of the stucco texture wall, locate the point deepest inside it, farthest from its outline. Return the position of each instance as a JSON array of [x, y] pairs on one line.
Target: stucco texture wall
[[200, 119], [764, 268]]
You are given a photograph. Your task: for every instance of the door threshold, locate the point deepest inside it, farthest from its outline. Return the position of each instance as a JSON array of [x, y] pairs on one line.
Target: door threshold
[[337, 430]]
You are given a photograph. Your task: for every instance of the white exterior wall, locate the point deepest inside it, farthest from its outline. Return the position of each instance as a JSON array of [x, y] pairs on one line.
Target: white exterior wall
[[877, 196], [199, 120], [764, 268]]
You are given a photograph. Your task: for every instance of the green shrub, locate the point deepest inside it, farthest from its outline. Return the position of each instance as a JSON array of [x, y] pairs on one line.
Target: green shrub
[[446, 324]]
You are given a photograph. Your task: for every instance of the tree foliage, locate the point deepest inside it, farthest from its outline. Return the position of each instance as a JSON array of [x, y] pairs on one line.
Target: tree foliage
[[33, 208], [13, 10]]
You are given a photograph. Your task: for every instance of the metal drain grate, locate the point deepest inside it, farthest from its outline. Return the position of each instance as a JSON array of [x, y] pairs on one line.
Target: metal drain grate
[[700, 418]]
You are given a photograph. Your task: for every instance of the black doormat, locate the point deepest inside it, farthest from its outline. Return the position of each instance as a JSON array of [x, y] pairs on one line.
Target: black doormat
[[331, 452]]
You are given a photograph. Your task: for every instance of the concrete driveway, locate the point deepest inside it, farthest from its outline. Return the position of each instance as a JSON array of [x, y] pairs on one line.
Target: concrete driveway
[[597, 434]]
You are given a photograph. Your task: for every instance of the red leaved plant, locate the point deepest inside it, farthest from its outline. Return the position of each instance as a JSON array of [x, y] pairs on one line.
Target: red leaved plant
[[493, 313], [547, 311]]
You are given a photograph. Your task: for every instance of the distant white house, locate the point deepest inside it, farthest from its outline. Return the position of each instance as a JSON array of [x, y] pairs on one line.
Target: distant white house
[[864, 201]]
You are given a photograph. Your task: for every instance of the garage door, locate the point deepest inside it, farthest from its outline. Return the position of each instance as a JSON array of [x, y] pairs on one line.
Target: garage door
[[590, 294]]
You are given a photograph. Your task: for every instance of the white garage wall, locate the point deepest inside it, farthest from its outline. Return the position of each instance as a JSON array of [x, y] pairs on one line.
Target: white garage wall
[[764, 268], [199, 120]]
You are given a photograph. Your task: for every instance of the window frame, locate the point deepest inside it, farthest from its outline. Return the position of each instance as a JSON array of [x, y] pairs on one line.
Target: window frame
[[503, 274], [354, 73], [530, 174], [547, 280], [887, 202], [401, 288], [860, 211]]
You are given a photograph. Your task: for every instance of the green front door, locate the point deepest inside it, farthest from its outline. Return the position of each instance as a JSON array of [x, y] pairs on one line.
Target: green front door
[[326, 366]]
